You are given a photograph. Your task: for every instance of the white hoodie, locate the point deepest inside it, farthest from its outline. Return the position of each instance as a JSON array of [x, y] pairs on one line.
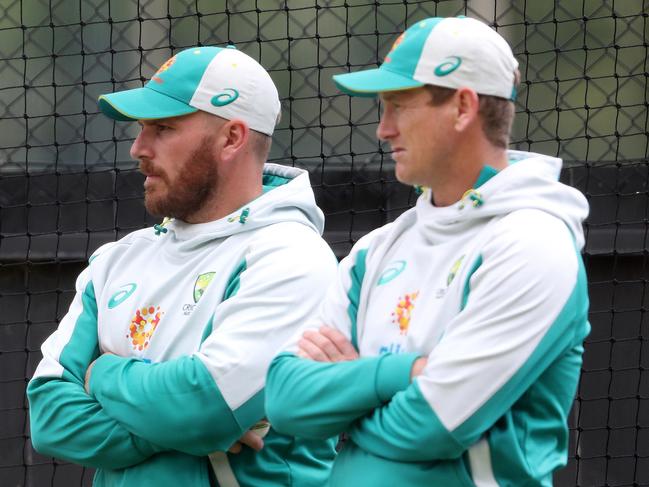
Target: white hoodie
[[193, 314], [491, 290]]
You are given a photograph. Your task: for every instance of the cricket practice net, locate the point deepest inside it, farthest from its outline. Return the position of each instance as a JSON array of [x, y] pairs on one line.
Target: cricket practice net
[[67, 183]]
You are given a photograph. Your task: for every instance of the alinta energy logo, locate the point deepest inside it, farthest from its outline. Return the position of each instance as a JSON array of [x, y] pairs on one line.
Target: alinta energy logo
[[142, 326], [156, 77], [403, 312]]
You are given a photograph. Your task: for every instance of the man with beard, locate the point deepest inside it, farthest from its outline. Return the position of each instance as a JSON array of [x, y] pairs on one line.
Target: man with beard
[[156, 374]]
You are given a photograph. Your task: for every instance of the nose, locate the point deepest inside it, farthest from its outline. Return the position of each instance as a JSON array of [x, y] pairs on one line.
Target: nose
[[141, 148], [387, 128]]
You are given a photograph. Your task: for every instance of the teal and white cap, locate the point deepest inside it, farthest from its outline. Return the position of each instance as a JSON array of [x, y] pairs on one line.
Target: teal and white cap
[[222, 81], [452, 52]]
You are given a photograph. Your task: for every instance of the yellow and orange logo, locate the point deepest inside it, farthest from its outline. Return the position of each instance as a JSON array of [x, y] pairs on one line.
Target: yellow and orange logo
[[162, 69], [403, 312], [394, 46], [142, 326]]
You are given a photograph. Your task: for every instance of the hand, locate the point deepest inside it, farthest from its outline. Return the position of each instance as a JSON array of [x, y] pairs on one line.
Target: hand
[[86, 382], [418, 367], [251, 439], [326, 345]]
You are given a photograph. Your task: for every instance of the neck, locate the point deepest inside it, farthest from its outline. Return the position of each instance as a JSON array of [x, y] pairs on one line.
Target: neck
[[234, 188], [464, 169]]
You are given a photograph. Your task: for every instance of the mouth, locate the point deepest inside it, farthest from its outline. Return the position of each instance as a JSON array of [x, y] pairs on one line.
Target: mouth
[[397, 152], [150, 180]]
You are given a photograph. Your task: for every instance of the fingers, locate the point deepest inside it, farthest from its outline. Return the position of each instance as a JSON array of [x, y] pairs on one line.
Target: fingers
[[86, 382], [315, 346], [236, 448], [344, 346], [253, 440], [418, 367], [326, 345]]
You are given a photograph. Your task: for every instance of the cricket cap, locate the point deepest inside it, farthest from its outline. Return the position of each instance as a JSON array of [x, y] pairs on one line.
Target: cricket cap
[[222, 81], [451, 52]]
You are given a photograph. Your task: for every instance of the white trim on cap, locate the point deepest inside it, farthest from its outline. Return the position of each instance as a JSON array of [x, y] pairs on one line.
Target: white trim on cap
[[257, 102], [487, 62]]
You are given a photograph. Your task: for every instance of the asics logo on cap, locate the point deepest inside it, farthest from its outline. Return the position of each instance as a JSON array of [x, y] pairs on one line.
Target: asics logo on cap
[[448, 65], [224, 98]]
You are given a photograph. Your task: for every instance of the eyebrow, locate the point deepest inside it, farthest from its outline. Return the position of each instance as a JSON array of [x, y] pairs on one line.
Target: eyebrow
[[392, 95], [154, 121]]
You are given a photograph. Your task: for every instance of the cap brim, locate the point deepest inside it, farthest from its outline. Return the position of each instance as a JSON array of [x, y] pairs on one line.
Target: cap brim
[[142, 104], [373, 81]]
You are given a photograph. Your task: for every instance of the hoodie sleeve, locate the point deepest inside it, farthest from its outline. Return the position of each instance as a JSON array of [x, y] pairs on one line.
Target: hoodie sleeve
[[220, 389], [65, 421], [524, 314], [303, 397]]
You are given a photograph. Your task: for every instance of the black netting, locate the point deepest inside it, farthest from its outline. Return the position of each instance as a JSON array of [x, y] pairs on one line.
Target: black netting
[[67, 183]]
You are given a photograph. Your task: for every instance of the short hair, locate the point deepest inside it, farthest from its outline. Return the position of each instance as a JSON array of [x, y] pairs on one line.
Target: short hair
[[260, 144], [496, 114]]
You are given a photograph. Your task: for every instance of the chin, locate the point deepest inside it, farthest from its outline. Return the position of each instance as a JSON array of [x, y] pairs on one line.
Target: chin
[[402, 176], [153, 206]]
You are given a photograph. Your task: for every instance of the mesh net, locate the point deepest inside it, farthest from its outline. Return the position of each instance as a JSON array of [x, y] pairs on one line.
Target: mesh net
[[67, 183]]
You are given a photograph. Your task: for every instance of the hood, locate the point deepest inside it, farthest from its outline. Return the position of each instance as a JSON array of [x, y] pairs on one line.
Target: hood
[[531, 181], [287, 196]]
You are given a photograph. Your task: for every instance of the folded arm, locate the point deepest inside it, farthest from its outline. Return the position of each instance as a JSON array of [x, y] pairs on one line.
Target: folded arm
[[204, 402], [318, 394], [526, 306], [65, 421]]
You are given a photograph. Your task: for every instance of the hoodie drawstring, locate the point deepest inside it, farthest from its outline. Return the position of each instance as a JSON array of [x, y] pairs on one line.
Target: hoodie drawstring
[[160, 227], [242, 217], [474, 196]]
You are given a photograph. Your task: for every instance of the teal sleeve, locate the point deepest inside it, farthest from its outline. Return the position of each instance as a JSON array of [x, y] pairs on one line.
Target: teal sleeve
[[175, 404], [320, 400], [405, 429], [65, 421]]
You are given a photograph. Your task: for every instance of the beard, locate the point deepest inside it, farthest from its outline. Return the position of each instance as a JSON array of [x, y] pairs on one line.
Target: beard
[[189, 192]]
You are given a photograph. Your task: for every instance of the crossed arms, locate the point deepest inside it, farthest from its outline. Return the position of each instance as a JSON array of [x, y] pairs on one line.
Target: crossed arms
[[194, 404], [526, 308]]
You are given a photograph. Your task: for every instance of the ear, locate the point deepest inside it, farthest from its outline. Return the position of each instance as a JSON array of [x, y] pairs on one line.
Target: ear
[[467, 105], [234, 137]]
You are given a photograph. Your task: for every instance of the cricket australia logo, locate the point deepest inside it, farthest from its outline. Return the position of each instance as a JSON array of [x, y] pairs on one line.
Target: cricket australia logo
[[202, 281], [453, 272], [201, 284]]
